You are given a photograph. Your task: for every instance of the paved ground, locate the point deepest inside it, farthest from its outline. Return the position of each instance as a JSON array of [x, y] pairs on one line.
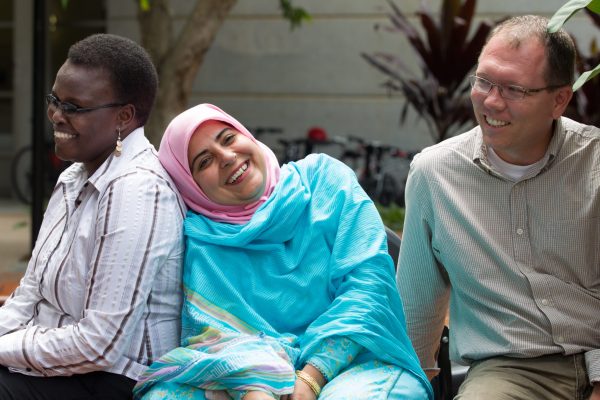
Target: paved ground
[[14, 243]]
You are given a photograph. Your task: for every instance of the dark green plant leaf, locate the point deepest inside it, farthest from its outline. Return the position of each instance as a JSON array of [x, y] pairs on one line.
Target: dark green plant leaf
[[450, 9], [565, 12], [145, 5], [586, 76], [400, 22], [594, 6], [295, 15], [562, 16], [440, 95], [595, 16], [433, 58]]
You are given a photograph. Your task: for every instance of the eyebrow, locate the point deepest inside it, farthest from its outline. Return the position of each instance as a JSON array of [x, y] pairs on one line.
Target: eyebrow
[[217, 138]]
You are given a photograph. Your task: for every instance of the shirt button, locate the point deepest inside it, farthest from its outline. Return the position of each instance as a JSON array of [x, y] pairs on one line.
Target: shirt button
[[545, 302], [28, 369], [519, 231]]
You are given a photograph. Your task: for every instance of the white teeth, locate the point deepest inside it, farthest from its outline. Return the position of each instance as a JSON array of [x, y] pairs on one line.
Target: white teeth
[[62, 135], [495, 122], [238, 173]]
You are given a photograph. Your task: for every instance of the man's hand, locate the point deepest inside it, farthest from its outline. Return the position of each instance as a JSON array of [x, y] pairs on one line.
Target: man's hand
[[432, 373]]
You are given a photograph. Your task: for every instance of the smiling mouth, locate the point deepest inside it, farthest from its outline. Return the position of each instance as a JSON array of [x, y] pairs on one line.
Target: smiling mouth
[[63, 135], [238, 173], [495, 122]]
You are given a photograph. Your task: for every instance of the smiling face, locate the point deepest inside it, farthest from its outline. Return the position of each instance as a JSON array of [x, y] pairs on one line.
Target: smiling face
[[229, 167], [88, 137], [519, 131]]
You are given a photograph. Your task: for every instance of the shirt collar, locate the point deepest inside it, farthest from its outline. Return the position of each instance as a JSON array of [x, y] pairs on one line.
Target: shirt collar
[[480, 152], [134, 144]]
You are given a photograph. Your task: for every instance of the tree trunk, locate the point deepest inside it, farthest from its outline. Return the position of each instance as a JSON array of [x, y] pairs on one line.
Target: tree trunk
[[177, 59]]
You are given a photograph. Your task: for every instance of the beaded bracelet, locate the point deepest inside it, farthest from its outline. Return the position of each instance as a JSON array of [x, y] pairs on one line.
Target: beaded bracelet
[[310, 381]]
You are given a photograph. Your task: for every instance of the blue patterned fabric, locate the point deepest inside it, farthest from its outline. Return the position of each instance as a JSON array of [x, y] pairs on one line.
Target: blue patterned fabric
[[311, 264]]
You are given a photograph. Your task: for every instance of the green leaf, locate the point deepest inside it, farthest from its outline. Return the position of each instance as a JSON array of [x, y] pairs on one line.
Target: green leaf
[[594, 6], [565, 12], [586, 76], [145, 5], [64, 3], [295, 15]]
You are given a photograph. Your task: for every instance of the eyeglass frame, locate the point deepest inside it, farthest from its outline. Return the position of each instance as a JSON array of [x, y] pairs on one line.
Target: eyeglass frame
[[523, 91], [71, 109]]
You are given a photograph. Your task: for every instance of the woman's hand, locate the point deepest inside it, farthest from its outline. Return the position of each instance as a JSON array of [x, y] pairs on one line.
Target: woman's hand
[[217, 395], [257, 395], [301, 392], [596, 392], [301, 389]]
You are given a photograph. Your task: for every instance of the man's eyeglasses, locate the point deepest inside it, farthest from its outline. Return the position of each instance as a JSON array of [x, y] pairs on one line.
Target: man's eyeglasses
[[508, 92], [71, 109]]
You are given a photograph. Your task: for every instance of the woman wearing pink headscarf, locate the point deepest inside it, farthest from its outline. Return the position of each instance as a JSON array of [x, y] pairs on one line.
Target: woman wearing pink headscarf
[[289, 288]]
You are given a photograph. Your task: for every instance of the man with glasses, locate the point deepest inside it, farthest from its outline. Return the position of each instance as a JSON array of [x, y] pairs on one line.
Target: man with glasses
[[503, 224]]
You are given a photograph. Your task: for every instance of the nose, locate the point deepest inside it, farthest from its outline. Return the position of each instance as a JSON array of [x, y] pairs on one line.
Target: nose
[[55, 114], [494, 99], [227, 158]]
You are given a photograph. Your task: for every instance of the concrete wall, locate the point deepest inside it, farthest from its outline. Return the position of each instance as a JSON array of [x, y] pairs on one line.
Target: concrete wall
[[22, 104], [267, 75]]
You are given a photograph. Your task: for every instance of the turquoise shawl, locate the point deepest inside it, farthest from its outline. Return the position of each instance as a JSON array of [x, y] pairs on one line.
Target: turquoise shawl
[[312, 263]]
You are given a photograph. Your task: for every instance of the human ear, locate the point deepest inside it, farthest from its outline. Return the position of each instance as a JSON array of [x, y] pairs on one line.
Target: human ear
[[126, 117], [562, 97]]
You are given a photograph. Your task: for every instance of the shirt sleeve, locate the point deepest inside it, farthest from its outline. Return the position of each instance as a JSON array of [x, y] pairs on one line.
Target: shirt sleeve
[[138, 226], [592, 361], [333, 354], [421, 280], [19, 307]]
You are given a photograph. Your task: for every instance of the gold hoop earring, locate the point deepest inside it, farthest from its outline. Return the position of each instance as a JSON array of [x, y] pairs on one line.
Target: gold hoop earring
[[119, 146]]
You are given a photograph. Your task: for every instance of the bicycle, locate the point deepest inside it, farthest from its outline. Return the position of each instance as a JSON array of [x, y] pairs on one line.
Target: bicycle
[[21, 171], [315, 141], [372, 162]]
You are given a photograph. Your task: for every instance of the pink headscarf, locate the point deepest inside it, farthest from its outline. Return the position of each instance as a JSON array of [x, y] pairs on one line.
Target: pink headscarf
[[173, 156]]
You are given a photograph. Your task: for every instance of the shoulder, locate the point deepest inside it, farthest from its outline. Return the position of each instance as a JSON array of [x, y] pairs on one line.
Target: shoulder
[[580, 130], [143, 179], [325, 166], [322, 176], [144, 169], [446, 154]]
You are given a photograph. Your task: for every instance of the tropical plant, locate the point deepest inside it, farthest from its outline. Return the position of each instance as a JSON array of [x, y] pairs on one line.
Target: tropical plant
[[562, 16], [584, 104], [178, 57], [440, 95]]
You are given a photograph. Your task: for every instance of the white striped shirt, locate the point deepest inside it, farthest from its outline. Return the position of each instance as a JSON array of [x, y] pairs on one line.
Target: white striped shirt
[[519, 262], [102, 290]]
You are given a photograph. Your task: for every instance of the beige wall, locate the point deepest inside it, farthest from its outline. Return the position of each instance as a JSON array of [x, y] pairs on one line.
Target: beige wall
[[267, 75]]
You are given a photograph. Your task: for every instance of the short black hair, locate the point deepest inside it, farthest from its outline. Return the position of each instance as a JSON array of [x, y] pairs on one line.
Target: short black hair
[[130, 68]]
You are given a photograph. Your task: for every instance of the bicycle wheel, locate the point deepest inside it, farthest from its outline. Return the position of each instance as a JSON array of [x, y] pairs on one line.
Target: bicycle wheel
[[21, 174], [386, 190], [400, 190]]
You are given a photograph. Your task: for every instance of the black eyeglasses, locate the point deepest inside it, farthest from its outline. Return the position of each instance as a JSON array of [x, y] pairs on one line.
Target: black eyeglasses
[[71, 109], [508, 92]]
